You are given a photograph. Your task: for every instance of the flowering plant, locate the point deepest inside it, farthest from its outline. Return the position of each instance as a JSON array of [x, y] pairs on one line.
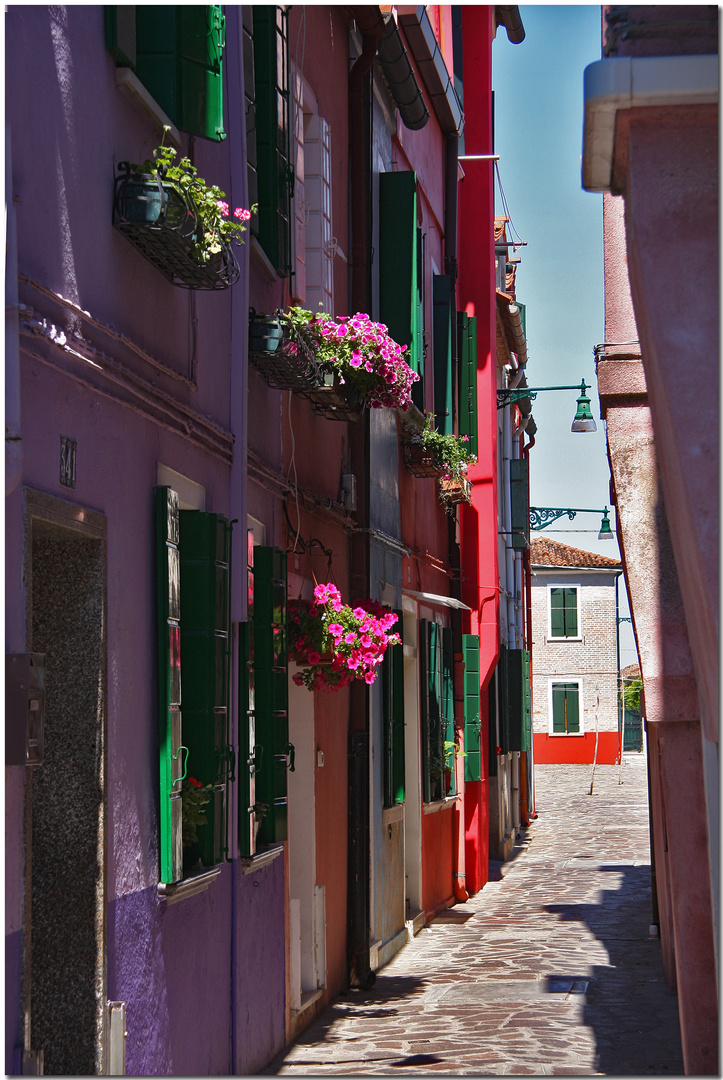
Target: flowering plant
[[360, 352], [195, 797], [353, 639], [449, 455], [207, 200]]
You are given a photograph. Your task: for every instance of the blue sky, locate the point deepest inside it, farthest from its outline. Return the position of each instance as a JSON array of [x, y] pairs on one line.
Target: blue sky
[[538, 88]]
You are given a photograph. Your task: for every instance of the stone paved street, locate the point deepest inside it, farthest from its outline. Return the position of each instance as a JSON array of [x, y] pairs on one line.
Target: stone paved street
[[548, 971]]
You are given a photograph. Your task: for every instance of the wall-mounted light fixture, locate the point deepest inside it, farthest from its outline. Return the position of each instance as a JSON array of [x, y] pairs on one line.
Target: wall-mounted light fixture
[[542, 516], [583, 417]]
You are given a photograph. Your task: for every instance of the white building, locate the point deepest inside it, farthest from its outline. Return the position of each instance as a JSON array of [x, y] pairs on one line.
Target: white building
[[575, 714]]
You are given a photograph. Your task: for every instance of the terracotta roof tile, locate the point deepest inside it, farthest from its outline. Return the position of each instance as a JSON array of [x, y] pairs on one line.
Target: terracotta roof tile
[[632, 671], [544, 552]]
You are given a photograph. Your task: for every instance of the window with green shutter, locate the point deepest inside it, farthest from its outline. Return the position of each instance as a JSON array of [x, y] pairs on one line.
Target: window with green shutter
[[176, 51], [565, 708], [442, 334], [269, 145], [265, 753], [467, 379], [401, 272], [393, 723], [438, 741], [173, 755], [520, 501], [472, 717], [517, 700], [563, 612], [193, 636], [205, 543]]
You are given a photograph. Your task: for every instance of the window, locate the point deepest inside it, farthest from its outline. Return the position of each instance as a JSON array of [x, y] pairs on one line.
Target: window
[[438, 735], [265, 752], [270, 171], [467, 380], [176, 53], [565, 708], [442, 333], [564, 622], [472, 718], [393, 722], [193, 612], [400, 269]]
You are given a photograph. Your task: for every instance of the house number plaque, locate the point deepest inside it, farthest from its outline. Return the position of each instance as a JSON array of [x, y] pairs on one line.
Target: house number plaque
[[68, 453]]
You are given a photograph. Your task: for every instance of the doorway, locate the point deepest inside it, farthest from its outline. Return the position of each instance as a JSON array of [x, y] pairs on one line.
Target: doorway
[[64, 958]]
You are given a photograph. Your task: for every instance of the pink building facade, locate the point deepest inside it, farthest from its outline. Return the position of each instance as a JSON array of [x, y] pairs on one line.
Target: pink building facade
[[650, 144]]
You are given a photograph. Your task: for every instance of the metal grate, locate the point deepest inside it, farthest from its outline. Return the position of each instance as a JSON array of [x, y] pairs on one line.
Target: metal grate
[[418, 461], [286, 362]]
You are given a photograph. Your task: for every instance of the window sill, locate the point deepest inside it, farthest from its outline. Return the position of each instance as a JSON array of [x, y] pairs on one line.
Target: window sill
[[549, 640], [392, 813], [263, 260], [443, 804], [256, 862], [308, 997], [129, 83], [565, 734], [180, 890]]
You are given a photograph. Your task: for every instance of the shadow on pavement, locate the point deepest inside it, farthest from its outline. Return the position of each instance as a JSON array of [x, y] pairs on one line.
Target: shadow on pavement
[[628, 1004]]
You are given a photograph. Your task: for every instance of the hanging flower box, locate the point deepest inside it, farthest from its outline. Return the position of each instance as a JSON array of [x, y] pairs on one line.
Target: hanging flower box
[[419, 461], [336, 399], [163, 223], [455, 490], [281, 354]]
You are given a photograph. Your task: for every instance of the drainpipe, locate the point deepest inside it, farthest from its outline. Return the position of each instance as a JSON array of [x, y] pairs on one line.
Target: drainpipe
[[401, 78], [13, 440], [528, 645]]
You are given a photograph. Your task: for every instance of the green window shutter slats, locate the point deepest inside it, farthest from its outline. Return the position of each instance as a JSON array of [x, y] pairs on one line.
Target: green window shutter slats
[[442, 333], [565, 708], [204, 546], [472, 719], [400, 281], [563, 612], [447, 703], [272, 134], [520, 500], [176, 51], [492, 726], [467, 362], [518, 699], [272, 749], [503, 681], [172, 757], [437, 674], [393, 723]]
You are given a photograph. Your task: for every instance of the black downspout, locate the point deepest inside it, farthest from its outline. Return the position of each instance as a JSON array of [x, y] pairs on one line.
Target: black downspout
[[359, 973]]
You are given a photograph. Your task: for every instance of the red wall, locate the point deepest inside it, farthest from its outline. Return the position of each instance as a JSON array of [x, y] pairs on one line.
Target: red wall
[[476, 296], [578, 749]]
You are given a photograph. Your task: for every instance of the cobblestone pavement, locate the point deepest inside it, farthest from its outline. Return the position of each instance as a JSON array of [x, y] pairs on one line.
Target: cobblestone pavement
[[549, 970]]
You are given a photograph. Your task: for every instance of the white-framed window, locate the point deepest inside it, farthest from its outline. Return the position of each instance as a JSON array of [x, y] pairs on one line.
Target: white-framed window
[[563, 612], [566, 706]]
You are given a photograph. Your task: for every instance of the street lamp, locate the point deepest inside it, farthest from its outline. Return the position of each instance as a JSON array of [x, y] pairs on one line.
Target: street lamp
[[583, 417], [542, 516]]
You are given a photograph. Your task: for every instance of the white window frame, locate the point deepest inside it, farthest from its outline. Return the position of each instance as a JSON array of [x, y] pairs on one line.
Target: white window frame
[[564, 585], [567, 679]]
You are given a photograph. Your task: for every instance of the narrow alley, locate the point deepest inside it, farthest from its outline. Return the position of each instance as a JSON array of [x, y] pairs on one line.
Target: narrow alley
[[549, 970]]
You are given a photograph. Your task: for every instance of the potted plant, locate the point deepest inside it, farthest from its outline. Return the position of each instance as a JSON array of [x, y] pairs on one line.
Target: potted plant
[[178, 221], [359, 364], [335, 643], [194, 799], [429, 453], [281, 353]]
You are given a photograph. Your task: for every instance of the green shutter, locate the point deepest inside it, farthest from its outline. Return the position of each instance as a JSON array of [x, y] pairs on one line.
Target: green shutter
[[492, 721], [520, 500], [273, 752], [467, 363], [571, 612], [172, 761], [393, 721], [179, 51], [449, 786], [275, 171], [120, 33], [205, 547], [565, 708], [557, 612], [472, 719], [442, 329], [431, 763], [400, 295], [526, 702], [518, 699], [503, 707]]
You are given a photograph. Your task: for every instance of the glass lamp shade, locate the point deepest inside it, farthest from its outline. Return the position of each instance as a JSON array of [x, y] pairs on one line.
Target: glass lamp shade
[[583, 417], [606, 533]]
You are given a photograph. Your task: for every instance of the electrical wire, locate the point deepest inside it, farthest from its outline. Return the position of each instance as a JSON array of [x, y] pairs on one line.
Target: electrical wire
[[505, 207]]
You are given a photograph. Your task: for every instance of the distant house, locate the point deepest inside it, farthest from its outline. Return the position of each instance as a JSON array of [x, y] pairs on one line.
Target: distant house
[[575, 717]]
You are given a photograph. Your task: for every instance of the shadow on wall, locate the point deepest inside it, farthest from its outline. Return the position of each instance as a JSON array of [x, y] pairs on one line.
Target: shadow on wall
[[629, 1006]]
